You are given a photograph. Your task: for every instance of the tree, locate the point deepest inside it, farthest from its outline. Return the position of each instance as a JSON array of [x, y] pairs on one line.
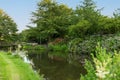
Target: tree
[[116, 17], [108, 25], [8, 27], [79, 30], [87, 11], [116, 14], [51, 19]]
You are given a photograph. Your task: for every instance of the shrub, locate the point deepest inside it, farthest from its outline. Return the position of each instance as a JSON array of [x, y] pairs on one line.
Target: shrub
[[79, 46], [105, 66], [58, 47], [80, 29]]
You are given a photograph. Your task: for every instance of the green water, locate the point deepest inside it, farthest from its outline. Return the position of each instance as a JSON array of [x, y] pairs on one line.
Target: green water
[[55, 69]]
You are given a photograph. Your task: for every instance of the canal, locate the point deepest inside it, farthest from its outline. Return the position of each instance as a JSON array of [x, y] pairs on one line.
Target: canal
[[55, 69]]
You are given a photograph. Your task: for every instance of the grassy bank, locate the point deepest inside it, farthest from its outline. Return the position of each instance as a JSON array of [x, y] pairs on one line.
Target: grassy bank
[[13, 68], [34, 48], [59, 50]]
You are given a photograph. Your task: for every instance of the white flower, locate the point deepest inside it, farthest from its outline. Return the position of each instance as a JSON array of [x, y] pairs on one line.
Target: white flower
[[101, 74], [101, 71]]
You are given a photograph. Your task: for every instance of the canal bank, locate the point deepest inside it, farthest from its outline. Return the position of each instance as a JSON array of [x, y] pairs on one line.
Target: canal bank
[[13, 68]]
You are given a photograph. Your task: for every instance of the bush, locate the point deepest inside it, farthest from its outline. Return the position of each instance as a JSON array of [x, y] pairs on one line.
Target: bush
[[80, 29], [87, 46], [58, 47], [105, 66], [80, 46]]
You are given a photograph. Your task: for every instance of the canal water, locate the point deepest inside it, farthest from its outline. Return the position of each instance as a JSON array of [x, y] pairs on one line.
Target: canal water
[[56, 69]]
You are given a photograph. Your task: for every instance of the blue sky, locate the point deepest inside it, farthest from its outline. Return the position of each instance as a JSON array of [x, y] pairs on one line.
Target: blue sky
[[20, 10]]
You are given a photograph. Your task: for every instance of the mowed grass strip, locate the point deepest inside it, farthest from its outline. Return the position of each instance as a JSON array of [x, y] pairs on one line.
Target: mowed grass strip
[[3, 72], [13, 68]]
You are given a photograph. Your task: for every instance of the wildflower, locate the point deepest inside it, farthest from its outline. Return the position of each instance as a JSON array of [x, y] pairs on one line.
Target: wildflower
[[101, 71], [101, 74]]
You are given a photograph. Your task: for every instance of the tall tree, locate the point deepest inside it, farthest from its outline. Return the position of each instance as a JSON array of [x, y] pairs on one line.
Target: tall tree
[[52, 19], [8, 27], [116, 16], [88, 11]]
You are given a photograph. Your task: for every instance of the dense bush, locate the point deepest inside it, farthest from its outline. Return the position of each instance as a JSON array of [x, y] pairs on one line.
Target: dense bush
[[105, 66], [79, 46], [58, 47], [80, 29]]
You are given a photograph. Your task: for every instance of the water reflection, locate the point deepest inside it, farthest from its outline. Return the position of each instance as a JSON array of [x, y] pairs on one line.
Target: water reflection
[[56, 70]]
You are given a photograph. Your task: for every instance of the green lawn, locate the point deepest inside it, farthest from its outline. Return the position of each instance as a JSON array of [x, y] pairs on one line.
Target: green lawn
[[13, 68]]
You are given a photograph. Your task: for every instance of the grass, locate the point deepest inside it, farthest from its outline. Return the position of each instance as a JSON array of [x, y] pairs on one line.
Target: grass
[[13, 68]]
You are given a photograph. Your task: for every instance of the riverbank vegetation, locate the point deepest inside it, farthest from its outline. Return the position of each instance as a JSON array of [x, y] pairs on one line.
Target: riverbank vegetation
[[13, 68], [8, 29], [76, 32], [79, 29], [33, 48], [63, 32], [105, 65]]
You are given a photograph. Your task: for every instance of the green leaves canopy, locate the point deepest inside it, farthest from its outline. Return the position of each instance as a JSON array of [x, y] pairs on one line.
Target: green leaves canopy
[[8, 27], [52, 19]]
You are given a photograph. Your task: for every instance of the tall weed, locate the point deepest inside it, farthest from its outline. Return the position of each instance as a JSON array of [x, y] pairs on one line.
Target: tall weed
[[105, 66]]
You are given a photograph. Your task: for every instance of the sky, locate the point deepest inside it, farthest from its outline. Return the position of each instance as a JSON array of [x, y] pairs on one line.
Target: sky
[[20, 10]]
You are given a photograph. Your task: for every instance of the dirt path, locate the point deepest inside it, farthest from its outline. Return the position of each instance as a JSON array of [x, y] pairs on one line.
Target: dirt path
[[11, 69]]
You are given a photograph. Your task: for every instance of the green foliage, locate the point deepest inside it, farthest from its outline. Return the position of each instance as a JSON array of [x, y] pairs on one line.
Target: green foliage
[[88, 6], [90, 72], [108, 25], [88, 11], [92, 23], [80, 29], [8, 27], [58, 47], [79, 46], [105, 66], [34, 48], [111, 43], [58, 50], [116, 14], [32, 35], [87, 45], [72, 46], [51, 19]]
